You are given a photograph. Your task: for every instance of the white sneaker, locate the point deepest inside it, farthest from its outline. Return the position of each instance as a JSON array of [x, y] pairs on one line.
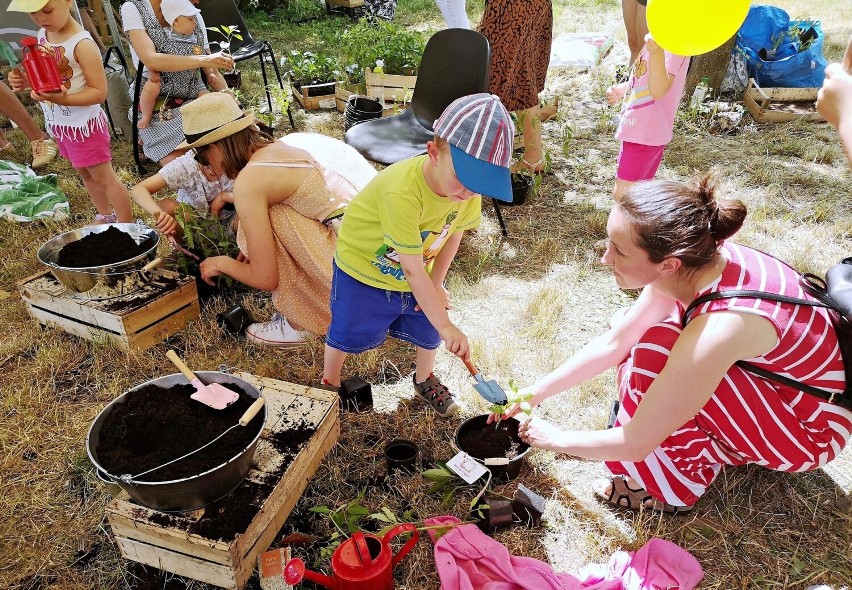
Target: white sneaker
[[276, 332]]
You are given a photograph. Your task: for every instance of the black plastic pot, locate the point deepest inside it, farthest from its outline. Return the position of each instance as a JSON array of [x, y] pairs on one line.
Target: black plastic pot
[[235, 319], [401, 454], [522, 186], [504, 469], [190, 492], [355, 395], [360, 109], [233, 79]]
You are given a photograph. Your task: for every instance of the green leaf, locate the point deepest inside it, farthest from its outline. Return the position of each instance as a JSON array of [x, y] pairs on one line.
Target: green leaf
[[449, 496], [320, 509], [380, 517]]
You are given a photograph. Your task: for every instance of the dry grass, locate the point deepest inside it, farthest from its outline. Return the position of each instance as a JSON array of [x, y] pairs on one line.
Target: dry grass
[[526, 303]]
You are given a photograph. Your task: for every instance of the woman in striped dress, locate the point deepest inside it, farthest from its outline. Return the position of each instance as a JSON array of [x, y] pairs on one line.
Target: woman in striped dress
[[686, 409]]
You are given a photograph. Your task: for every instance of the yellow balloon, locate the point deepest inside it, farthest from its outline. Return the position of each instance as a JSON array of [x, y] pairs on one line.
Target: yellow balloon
[[692, 27]]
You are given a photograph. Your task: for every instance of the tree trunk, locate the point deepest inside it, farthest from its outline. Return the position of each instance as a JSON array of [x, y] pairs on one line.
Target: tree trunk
[[713, 65]]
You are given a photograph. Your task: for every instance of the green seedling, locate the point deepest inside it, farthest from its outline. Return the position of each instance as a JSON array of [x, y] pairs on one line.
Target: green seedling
[[515, 397]]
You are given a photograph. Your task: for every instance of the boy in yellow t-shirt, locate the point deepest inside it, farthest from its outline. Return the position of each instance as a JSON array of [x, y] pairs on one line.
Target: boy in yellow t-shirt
[[402, 231]]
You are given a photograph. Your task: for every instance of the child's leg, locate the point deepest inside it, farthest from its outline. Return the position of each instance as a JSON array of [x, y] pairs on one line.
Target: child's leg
[[111, 192], [424, 364], [148, 99], [332, 365], [96, 194]]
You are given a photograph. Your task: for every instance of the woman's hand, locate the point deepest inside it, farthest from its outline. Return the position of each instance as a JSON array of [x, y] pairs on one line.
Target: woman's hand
[[165, 223], [212, 268], [515, 409], [219, 201], [17, 80], [219, 60], [541, 434]]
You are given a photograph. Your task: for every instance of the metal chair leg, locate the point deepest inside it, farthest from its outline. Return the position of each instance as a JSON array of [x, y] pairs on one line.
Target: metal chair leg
[[280, 82], [135, 120], [265, 81], [500, 218]]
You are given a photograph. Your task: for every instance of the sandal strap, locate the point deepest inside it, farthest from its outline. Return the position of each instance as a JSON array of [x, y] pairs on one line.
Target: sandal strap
[[619, 492]]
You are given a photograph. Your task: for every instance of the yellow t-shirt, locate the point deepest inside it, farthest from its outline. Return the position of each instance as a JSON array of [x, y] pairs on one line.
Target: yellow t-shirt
[[398, 212]]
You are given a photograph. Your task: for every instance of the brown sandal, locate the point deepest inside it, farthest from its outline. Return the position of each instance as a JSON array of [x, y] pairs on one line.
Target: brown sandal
[[623, 496]]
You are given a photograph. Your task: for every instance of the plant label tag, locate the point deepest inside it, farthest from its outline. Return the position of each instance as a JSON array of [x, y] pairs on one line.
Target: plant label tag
[[467, 468], [271, 565]]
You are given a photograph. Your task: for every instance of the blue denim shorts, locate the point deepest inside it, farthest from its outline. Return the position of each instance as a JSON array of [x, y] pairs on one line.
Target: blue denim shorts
[[362, 316]]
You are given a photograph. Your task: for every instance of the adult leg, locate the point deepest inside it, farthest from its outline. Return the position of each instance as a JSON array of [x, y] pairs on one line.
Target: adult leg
[[533, 158], [112, 190], [629, 10], [641, 26], [12, 108], [454, 13]]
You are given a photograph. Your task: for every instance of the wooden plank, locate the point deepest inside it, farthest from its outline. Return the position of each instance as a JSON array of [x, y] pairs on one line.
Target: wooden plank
[[168, 326], [312, 103], [181, 564], [281, 502], [346, 3], [396, 88]]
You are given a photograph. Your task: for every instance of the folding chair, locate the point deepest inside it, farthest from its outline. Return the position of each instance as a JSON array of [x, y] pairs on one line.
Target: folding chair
[[455, 63], [219, 13]]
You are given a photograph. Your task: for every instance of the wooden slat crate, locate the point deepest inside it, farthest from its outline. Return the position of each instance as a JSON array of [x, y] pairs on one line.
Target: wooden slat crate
[[312, 103], [182, 542], [396, 88], [353, 7], [159, 309], [777, 105]]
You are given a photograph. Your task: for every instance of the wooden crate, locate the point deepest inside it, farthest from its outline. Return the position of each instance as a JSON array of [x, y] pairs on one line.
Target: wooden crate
[[352, 7], [172, 542], [159, 309], [342, 92], [312, 103], [396, 88], [776, 105]]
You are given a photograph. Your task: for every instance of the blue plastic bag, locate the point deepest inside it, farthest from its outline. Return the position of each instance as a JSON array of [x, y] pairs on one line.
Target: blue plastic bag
[[773, 51]]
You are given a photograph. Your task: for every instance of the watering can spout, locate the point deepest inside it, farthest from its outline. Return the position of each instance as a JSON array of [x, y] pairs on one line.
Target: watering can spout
[[295, 570]]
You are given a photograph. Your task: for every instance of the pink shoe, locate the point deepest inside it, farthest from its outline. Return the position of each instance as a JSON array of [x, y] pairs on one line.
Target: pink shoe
[[101, 219]]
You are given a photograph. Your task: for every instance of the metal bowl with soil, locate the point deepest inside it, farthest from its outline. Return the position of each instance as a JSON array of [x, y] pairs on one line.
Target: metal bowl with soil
[[101, 261], [497, 445], [156, 422]]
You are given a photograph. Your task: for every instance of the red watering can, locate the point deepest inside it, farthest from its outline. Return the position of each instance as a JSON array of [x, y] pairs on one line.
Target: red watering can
[[363, 562], [41, 68]]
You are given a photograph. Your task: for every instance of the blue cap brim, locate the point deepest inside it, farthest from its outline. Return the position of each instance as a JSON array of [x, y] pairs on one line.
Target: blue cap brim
[[484, 178]]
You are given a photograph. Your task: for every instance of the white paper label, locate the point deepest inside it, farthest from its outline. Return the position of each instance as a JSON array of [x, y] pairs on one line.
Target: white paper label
[[468, 468]]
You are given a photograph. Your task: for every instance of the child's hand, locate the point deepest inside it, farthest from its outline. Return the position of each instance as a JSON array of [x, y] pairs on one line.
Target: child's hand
[[165, 223], [54, 97], [219, 201], [455, 341], [653, 48], [616, 93], [17, 80]]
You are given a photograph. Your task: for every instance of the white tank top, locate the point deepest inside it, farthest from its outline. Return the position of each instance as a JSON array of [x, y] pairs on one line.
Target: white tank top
[[69, 122]]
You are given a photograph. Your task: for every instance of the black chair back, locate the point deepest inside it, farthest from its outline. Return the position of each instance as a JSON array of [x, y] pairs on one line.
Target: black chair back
[[219, 13], [456, 62]]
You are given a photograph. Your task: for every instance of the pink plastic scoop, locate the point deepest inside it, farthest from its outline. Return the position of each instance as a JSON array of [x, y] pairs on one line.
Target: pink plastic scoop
[[215, 395]]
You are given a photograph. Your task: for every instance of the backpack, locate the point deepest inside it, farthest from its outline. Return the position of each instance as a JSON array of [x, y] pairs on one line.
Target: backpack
[[834, 293]]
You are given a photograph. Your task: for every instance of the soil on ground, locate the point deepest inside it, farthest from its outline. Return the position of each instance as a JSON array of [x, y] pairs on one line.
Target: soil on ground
[[156, 425], [107, 247]]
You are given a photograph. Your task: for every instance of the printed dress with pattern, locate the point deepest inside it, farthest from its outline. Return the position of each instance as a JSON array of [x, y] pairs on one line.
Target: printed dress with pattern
[[520, 34]]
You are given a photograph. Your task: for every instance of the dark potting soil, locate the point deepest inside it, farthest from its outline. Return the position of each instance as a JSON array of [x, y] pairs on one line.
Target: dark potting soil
[[485, 441], [156, 425], [106, 247], [226, 518]]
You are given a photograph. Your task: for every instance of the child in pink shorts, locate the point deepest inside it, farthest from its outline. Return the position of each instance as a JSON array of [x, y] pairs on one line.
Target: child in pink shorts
[[73, 116], [650, 100]]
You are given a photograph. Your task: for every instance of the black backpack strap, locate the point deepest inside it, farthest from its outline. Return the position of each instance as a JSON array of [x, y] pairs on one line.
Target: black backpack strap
[[752, 295], [832, 397]]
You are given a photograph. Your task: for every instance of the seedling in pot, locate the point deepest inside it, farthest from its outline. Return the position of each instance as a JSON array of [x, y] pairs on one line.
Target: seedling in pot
[[515, 397]]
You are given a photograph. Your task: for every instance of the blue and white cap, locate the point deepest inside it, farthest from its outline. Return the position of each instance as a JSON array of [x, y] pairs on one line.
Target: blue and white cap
[[480, 133]]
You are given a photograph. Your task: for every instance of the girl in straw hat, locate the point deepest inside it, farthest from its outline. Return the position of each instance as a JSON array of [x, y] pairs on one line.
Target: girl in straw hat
[[287, 194]]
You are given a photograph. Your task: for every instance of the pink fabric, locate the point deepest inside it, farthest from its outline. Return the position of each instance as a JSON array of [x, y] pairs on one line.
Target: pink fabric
[[637, 161], [643, 119], [468, 559]]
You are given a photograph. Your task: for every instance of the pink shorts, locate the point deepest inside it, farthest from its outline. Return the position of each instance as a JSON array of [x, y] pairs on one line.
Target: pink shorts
[[638, 162], [89, 151]]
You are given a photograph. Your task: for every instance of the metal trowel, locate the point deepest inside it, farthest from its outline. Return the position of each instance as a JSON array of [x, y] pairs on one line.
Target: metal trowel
[[487, 389], [215, 395]]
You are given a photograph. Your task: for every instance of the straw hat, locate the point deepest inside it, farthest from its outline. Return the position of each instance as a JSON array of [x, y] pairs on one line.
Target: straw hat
[[212, 117]]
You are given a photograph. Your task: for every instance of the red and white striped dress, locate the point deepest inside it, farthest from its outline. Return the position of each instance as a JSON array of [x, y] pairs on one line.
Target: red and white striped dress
[[748, 419]]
